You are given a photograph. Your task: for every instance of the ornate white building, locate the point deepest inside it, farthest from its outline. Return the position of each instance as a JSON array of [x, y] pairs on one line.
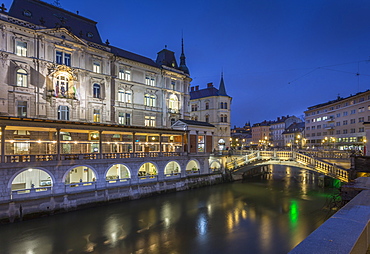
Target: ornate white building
[[54, 65]]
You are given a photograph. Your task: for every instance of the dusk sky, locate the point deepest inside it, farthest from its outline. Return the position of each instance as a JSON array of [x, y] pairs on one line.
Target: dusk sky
[[278, 56]]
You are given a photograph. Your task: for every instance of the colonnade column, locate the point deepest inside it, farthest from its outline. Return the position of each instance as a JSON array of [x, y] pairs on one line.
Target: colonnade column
[[100, 144], [58, 144], [3, 143], [160, 143], [133, 142]]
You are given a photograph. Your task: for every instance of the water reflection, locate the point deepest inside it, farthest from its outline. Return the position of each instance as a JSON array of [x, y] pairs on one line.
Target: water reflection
[[267, 215]]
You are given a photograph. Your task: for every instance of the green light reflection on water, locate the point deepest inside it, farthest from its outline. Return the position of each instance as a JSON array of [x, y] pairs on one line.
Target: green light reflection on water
[[293, 213]]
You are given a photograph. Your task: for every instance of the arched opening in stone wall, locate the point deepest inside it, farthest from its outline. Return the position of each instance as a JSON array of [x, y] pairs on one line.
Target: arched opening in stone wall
[[31, 178], [118, 171], [172, 168], [80, 174], [148, 169]]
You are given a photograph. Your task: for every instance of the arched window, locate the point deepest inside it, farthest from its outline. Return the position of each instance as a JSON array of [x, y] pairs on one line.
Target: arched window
[[222, 105], [173, 104], [225, 105], [207, 105], [96, 91], [225, 118], [22, 78], [222, 118], [207, 118], [61, 86], [63, 113]]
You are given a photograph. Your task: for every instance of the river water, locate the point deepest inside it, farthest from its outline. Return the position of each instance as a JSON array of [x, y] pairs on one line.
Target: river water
[[263, 215]]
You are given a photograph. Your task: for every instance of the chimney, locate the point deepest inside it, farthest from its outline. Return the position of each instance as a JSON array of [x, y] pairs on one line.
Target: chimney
[[209, 85], [196, 88], [192, 89]]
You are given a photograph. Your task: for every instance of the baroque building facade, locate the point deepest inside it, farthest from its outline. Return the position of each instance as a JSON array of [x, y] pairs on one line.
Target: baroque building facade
[[213, 106], [54, 65]]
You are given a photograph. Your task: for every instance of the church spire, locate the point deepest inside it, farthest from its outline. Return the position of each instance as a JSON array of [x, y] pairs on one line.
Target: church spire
[[221, 89], [183, 66]]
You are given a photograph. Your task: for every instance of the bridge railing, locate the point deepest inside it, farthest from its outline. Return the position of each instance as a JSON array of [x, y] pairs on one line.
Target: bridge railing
[[322, 167]]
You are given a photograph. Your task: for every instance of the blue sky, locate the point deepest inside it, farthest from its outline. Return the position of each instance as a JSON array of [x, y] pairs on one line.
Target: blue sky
[[278, 56]]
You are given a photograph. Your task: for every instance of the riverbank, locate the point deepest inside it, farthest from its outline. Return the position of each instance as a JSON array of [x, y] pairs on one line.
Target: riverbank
[[24, 209]]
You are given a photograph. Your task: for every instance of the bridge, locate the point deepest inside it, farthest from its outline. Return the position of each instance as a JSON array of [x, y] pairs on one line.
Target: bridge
[[337, 168]]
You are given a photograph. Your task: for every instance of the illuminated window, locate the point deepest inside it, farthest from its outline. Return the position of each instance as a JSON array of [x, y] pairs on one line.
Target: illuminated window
[[124, 74], [22, 108], [21, 48], [150, 121], [22, 77], [96, 115], [96, 67], [124, 118], [63, 113], [150, 100], [173, 103], [61, 86], [201, 141], [124, 96], [150, 81]]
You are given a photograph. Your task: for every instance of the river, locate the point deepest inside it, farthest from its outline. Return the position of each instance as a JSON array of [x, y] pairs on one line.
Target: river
[[262, 215]]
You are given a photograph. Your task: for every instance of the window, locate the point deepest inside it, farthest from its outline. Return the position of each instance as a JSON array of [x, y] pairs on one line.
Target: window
[[150, 121], [337, 123], [22, 78], [361, 129], [223, 118], [22, 108], [124, 118], [345, 122], [207, 105], [308, 128], [96, 116], [345, 113], [124, 96], [225, 105], [173, 84], [201, 142], [150, 100], [353, 130], [221, 105], [318, 127], [337, 131], [361, 119], [194, 107], [353, 121], [207, 119], [173, 104], [63, 113], [338, 115], [345, 131], [313, 127], [21, 48], [124, 74], [96, 91], [353, 111], [362, 109], [96, 67], [150, 81], [61, 86], [63, 58]]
